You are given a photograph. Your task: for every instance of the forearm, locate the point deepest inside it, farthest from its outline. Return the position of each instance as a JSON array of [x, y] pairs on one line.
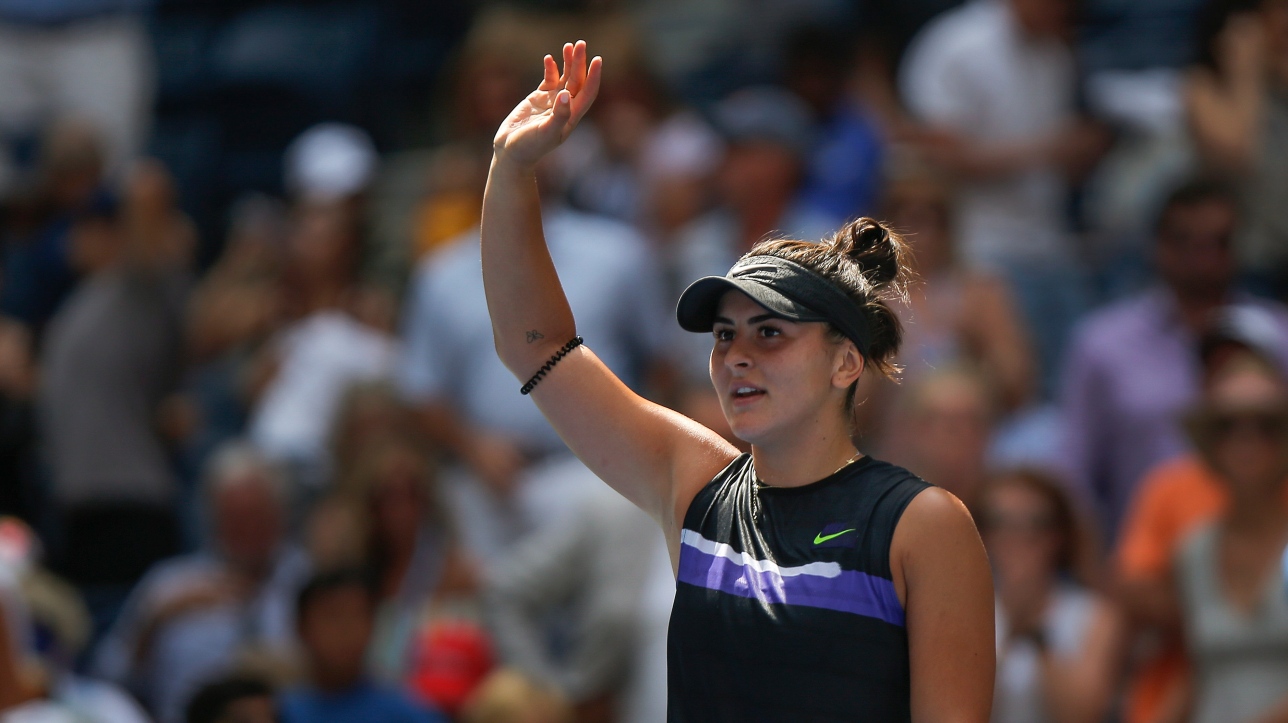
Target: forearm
[[530, 314]]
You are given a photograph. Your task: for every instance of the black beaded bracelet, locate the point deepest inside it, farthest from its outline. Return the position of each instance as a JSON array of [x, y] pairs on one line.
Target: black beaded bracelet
[[545, 368]]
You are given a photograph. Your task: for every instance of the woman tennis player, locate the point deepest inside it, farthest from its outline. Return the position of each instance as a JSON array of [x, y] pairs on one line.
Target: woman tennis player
[[814, 583]]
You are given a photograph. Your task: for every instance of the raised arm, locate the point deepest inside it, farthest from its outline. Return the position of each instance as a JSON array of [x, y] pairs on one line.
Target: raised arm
[[655, 457]]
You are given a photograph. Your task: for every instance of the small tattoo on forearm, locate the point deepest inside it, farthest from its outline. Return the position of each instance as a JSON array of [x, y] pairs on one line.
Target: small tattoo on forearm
[[534, 335]]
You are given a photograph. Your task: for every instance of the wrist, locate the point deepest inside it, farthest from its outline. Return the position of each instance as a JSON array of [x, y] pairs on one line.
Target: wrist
[[506, 165]]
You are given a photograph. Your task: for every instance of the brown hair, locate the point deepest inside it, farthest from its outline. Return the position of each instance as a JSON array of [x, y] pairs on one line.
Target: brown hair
[[1077, 542], [867, 261]]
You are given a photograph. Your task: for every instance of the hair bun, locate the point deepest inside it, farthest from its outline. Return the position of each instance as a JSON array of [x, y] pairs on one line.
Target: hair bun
[[880, 253]]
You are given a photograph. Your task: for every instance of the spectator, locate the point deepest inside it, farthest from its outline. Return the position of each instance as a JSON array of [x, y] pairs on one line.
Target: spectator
[[90, 60], [1238, 112], [410, 548], [17, 422], [769, 133], [1175, 498], [1230, 575], [370, 414], [516, 472], [581, 579], [237, 699], [39, 269], [602, 165], [234, 312], [993, 82], [30, 691], [194, 617], [508, 697], [677, 170], [943, 430], [1057, 640], [957, 314], [844, 169], [111, 356], [1132, 366], [331, 344], [335, 613]]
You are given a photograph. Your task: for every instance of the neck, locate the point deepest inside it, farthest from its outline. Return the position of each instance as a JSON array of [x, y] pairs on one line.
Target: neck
[[807, 457], [1196, 307], [1254, 516], [335, 681]]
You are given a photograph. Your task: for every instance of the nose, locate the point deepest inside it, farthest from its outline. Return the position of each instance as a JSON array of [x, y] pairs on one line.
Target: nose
[[738, 356]]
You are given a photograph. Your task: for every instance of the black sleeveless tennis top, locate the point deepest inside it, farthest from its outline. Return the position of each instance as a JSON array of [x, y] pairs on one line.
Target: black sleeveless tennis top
[[784, 606]]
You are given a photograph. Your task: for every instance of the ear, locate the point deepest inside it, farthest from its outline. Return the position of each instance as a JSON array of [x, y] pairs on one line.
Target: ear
[[848, 365]]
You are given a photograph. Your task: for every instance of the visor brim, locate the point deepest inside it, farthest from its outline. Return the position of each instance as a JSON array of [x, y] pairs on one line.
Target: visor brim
[[696, 310]]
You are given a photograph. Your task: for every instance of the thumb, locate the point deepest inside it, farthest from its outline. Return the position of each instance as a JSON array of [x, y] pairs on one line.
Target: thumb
[[562, 108]]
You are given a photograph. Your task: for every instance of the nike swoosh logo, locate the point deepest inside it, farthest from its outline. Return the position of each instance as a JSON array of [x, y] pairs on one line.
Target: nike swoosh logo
[[820, 538]]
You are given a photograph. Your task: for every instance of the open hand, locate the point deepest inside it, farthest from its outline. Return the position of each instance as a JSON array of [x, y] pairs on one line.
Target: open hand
[[545, 118]]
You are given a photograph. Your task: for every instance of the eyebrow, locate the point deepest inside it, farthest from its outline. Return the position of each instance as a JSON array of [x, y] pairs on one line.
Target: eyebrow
[[753, 320]]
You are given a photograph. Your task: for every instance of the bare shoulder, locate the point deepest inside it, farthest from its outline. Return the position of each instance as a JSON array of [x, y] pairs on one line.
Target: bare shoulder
[[935, 537], [937, 513]]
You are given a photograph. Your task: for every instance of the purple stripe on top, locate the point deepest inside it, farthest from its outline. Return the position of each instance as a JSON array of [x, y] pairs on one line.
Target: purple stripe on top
[[850, 591]]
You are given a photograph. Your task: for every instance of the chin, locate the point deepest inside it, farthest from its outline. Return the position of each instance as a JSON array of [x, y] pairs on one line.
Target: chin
[[750, 429]]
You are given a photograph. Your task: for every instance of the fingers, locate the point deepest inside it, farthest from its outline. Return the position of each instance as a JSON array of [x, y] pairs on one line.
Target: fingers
[[551, 79], [590, 89], [577, 74], [567, 64]]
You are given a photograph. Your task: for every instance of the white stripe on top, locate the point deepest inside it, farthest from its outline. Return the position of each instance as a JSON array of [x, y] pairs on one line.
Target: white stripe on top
[[720, 549]]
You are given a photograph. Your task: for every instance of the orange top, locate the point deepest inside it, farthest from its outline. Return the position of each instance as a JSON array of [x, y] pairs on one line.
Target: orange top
[[1174, 499]]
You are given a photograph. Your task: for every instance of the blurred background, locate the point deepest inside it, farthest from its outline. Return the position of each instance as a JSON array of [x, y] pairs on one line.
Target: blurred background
[[259, 461]]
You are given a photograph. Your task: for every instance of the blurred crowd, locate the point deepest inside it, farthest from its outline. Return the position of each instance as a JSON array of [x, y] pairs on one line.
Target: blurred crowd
[[259, 460]]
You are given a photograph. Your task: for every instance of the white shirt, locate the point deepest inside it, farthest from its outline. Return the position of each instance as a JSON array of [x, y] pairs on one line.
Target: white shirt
[[613, 285], [974, 71], [321, 357]]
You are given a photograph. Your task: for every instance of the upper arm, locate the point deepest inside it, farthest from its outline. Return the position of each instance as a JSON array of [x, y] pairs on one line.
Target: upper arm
[[655, 457], [938, 554]]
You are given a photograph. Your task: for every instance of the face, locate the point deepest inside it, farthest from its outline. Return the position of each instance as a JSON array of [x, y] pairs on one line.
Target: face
[[1044, 18], [335, 629], [920, 211], [776, 377], [323, 242], [95, 243], [398, 498], [1248, 426], [1274, 18], [251, 709], [953, 425], [1195, 247], [248, 523], [755, 172], [1020, 531]]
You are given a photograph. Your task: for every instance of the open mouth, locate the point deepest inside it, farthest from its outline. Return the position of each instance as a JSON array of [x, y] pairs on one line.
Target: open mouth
[[747, 392]]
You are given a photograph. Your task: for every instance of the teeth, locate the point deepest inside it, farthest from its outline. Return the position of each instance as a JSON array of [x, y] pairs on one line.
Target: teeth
[[745, 390]]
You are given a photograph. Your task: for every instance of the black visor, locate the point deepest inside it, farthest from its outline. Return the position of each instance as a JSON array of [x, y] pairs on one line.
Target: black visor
[[785, 288]]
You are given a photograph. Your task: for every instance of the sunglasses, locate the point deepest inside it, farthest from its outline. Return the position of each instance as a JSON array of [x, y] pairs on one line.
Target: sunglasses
[[1266, 425], [1011, 522]]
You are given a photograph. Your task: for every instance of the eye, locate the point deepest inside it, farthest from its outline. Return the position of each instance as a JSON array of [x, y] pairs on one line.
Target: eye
[[723, 334], [769, 331]]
